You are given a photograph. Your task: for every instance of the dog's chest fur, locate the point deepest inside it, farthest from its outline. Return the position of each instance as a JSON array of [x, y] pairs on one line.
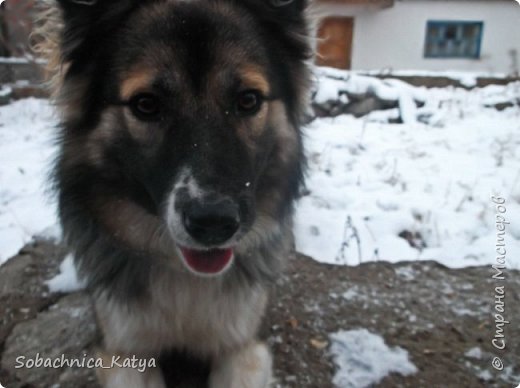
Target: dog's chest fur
[[203, 316]]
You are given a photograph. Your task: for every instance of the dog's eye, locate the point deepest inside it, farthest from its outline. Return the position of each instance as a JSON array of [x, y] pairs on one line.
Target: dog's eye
[[248, 102], [145, 107]]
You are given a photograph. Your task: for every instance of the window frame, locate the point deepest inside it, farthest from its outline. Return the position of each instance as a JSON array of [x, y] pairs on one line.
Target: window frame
[[443, 24]]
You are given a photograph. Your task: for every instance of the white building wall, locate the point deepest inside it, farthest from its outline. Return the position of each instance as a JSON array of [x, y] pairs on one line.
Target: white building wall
[[393, 38]]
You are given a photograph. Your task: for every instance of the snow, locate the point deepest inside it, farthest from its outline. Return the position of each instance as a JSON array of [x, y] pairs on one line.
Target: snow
[[329, 90], [67, 280], [26, 148], [19, 60], [369, 181], [5, 91], [333, 84], [407, 108], [364, 359], [475, 352]]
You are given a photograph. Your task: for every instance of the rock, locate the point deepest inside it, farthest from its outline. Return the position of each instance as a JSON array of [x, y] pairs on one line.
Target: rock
[[365, 106], [67, 329], [22, 290], [500, 106]]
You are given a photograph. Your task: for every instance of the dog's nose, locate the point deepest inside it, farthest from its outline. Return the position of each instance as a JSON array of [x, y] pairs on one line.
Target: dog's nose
[[212, 224]]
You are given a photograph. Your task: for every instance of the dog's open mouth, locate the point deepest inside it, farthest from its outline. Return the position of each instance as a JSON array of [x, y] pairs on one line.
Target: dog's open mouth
[[208, 262]]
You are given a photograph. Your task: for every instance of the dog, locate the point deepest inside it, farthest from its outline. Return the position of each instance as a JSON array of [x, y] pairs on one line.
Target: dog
[[180, 159]]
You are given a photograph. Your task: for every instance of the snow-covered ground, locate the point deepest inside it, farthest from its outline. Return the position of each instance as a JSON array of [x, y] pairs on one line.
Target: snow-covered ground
[[368, 182], [26, 149]]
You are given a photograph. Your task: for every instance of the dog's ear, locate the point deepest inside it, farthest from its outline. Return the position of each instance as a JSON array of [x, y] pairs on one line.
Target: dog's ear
[[86, 23], [285, 21], [77, 16], [285, 13], [290, 7]]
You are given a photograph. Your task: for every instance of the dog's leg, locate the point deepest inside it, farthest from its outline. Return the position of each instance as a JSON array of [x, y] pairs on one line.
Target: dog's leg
[[113, 376], [250, 367]]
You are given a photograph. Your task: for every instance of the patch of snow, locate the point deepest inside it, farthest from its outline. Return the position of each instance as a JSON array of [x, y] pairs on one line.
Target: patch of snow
[[406, 273], [328, 90], [5, 91], [407, 108], [383, 116], [52, 233], [67, 280], [461, 311], [20, 60], [475, 352], [351, 293], [77, 312], [364, 359], [485, 375], [467, 80], [26, 148], [417, 93]]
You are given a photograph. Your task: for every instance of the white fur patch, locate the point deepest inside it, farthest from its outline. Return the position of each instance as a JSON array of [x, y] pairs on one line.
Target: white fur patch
[[185, 180], [248, 368]]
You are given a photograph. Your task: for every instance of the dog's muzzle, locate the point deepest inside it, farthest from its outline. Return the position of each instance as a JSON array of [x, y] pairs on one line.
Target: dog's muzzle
[[205, 226], [211, 224]]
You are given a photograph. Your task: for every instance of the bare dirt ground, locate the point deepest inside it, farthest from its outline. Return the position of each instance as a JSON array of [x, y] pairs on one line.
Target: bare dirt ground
[[436, 314]]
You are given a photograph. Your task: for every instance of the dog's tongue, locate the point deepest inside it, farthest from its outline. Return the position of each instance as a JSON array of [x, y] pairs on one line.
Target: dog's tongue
[[212, 261]]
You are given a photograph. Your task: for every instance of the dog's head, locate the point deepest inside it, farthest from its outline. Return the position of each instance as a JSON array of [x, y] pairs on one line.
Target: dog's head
[[189, 110]]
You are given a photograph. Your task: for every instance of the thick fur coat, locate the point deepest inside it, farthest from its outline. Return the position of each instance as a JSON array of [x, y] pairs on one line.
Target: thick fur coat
[[180, 160]]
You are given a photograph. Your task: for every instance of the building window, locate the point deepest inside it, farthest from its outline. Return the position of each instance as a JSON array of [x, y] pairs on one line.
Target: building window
[[453, 39]]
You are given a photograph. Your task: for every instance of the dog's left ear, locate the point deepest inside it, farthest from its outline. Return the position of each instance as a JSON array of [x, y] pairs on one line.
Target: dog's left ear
[[87, 22], [287, 10], [285, 13], [292, 5]]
